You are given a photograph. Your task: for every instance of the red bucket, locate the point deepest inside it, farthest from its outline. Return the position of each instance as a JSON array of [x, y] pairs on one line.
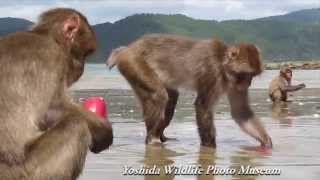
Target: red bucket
[[96, 104]]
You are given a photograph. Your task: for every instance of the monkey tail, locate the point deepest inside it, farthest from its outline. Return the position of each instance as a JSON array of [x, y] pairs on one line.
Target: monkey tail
[[113, 58]]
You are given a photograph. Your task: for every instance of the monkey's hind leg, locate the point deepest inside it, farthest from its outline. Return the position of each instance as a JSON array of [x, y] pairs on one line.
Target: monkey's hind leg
[[169, 112], [151, 93], [60, 153], [278, 96]]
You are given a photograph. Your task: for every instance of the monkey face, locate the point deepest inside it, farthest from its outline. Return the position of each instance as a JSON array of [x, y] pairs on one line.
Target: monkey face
[[289, 75], [84, 43], [71, 31], [243, 58], [243, 81], [241, 64], [239, 81], [286, 72]]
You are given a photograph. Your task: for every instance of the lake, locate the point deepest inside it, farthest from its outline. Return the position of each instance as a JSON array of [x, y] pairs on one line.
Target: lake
[[294, 128]]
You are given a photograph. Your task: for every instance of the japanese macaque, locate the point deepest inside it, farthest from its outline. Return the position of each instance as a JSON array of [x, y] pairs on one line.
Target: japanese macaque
[[157, 65], [43, 134], [280, 85]]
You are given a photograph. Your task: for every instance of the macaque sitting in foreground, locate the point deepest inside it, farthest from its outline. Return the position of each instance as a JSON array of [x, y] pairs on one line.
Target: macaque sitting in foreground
[[280, 85], [43, 134], [157, 65]]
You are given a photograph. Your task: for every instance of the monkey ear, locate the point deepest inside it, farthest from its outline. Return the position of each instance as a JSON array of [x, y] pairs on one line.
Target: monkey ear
[[233, 52], [71, 27]]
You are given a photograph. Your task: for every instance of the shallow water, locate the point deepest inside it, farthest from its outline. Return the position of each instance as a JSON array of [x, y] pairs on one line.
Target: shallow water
[[97, 76], [294, 129]]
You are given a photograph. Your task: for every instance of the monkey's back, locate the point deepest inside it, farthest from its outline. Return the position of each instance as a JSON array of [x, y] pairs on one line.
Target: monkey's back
[[177, 60], [21, 56]]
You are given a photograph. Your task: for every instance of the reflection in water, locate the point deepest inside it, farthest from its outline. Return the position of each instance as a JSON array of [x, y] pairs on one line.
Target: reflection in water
[[280, 112], [245, 159], [295, 133], [240, 160], [162, 157], [206, 159], [159, 156]]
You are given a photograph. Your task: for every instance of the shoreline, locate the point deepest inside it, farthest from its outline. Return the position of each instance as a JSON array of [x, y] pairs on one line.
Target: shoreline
[[274, 65], [298, 65], [96, 77]]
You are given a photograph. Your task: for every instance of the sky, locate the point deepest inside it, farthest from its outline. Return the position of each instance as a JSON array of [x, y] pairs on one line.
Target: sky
[[101, 11]]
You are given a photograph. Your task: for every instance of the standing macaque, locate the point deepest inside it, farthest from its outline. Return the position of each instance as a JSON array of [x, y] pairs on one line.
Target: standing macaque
[[157, 65], [43, 134], [281, 85]]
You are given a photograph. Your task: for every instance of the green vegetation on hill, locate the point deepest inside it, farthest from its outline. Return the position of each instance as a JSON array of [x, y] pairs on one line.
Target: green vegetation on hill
[[294, 36]]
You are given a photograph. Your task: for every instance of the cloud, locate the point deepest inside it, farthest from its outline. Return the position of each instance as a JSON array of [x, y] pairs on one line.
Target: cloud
[[100, 11], [244, 9]]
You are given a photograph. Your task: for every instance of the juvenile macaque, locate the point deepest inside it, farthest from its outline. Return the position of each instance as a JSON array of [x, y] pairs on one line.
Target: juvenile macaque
[[43, 135], [156, 66], [281, 85]]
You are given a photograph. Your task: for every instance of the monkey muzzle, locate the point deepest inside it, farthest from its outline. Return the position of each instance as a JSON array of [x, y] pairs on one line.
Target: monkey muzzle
[[242, 81]]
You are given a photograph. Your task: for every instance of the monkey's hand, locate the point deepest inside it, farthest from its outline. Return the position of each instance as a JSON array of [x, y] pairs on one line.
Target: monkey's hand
[[302, 85], [267, 143], [101, 131]]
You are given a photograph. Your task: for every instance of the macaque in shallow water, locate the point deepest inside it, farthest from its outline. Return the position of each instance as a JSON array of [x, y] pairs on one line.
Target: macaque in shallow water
[[280, 85], [43, 134], [157, 65]]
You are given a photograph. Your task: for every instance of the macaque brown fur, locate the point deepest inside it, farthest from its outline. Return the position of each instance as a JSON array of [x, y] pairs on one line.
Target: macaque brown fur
[[158, 65], [280, 85], [43, 134]]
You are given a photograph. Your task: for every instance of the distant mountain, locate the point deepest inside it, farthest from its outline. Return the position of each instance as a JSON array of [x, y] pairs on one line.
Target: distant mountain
[[8, 25], [294, 36], [309, 15]]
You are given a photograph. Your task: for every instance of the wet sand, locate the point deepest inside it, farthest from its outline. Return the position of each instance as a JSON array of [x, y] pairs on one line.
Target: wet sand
[[294, 128]]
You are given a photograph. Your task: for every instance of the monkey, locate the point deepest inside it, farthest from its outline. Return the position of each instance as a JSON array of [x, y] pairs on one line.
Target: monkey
[[157, 66], [280, 85], [43, 134]]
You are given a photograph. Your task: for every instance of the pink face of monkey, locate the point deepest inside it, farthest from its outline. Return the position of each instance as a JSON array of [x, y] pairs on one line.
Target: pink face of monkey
[[286, 72]]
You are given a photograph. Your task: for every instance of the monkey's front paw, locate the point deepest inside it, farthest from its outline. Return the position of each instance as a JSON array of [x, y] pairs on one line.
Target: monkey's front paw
[[163, 138], [101, 139], [209, 144], [267, 143], [302, 85], [153, 140]]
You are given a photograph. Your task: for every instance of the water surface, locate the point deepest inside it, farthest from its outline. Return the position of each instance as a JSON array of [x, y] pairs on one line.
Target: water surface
[[294, 129], [97, 76]]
